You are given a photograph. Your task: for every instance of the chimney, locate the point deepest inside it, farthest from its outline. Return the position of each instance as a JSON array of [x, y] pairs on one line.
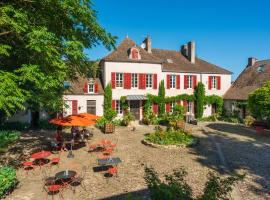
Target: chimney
[[148, 44], [251, 61], [184, 50], [191, 52]]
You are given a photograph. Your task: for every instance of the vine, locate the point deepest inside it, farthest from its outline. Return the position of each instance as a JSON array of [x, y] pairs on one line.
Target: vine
[[214, 99]]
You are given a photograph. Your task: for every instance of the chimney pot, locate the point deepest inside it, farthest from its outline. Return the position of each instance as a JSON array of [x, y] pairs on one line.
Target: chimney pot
[[148, 44], [191, 52], [251, 61]]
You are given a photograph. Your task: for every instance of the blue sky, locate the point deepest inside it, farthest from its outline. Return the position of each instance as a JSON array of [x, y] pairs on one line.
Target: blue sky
[[226, 32]]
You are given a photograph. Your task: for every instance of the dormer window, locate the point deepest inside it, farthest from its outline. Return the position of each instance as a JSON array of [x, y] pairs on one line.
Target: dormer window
[[134, 54]]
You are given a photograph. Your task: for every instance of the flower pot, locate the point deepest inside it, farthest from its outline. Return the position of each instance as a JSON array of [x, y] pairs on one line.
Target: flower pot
[[109, 128]]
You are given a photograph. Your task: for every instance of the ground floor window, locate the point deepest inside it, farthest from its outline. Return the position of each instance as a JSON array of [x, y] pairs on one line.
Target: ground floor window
[[190, 104], [118, 107], [91, 107], [172, 105]]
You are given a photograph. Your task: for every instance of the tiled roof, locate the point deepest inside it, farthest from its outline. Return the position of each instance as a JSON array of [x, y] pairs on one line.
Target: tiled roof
[[249, 80], [172, 61]]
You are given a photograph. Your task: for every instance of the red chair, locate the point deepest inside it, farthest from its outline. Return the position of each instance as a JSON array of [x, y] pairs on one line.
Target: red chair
[[53, 190], [112, 171], [92, 147], [108, 151], [27, 166], [55, 161]]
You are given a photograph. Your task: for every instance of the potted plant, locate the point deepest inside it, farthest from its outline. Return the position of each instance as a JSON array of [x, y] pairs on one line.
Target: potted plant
[[127, 118], [109, 126]]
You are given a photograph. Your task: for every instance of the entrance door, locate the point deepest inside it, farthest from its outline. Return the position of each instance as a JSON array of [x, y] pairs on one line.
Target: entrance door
[[91, 107], [135, 109]]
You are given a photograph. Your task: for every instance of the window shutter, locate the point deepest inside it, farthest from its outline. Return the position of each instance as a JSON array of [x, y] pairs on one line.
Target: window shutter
[[113, 80], [74, 107], [127, 80], [155, 108], [218, 82], [194, 80], [143, 81], [177, 81], [209, 82], [140, 81], [113, 104], [185, 82], [168, 81], [155, 81], [168, 107], [96, 87], [85, 87]]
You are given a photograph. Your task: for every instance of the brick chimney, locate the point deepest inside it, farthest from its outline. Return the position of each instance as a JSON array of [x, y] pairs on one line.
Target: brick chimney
[[191, 51], [148, 44], [251, 61]]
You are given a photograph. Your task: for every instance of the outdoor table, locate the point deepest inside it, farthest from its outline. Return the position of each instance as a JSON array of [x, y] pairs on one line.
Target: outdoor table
[[40, 157], [65, 175], [109, 161]]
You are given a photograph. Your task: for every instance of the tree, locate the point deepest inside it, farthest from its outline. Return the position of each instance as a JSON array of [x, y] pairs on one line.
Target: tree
[[161, 95], [259, 102], [42, 44], [199, 94], [109, 113]]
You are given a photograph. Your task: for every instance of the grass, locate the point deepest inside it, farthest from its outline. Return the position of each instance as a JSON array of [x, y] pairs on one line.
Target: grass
[[171, 137], [7, 138]]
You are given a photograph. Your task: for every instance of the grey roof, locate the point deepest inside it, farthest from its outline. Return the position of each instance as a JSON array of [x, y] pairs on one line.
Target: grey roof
[[136, 97]]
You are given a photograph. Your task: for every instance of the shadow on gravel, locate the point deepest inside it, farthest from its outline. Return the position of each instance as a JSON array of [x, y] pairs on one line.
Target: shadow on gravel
[[143, 194], [251, 153]]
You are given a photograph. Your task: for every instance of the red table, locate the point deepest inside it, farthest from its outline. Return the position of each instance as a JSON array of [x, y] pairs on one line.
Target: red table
[[40, 156]]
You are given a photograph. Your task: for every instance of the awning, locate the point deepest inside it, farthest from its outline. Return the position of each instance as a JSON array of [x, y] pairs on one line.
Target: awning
[[136, 97]]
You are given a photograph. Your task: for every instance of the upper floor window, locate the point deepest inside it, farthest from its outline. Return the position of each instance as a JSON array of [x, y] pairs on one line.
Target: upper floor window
[[149, 80], [118, 107], [134, 54], [119, 79], [134, 80], [190, 82], [214, 82], [90, 88], [172, 81]]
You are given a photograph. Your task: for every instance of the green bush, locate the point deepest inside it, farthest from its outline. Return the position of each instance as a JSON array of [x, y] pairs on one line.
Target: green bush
[[18, 126], [8, 180], [101, 122], [170, 137], [127, 118], [44, 124], [231, 119], [175, 187], [7, 138], [249, 121], [211, 118], [117, 122]]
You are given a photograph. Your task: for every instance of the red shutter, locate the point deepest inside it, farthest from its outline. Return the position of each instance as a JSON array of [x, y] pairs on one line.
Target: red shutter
[[168, 81], [85, 87], [185, 81], [218, 82], [155, 81], [127, 80], [209, 82], [74, 107], [155, 108], [177, 81], [113, 80], [168, 107], [142, 81], [194, 81], [113, 104], [96, 88]]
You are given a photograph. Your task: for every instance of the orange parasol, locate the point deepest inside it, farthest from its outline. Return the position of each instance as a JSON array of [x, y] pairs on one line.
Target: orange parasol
[[88, 116], [72, 120]]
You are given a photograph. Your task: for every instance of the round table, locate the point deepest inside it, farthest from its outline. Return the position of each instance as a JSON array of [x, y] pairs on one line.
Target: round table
[[64, 175], [41, 154]]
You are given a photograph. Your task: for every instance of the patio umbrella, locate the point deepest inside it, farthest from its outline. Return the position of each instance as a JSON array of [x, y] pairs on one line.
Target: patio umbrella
[[88, 116], [72, 120]]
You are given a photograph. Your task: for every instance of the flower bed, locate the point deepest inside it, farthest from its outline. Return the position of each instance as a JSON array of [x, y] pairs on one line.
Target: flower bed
[[171, 137], [7, 138], [8, 181]]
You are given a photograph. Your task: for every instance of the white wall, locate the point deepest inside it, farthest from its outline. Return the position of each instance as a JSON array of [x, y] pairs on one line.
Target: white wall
[[82, 103], [226, 80]]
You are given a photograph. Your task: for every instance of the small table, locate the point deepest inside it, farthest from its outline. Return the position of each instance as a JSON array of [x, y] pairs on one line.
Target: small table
[[64, 175], [109, 161], [40, 157]]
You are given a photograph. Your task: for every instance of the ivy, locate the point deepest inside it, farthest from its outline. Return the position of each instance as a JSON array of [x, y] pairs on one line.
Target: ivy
[[214, 99], [199, 94]]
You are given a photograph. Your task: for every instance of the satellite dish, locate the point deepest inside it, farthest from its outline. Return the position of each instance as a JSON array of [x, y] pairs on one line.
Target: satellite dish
[[143, 45]]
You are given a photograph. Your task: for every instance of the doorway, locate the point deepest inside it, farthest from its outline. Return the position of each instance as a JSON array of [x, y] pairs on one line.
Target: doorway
[[135, 108]]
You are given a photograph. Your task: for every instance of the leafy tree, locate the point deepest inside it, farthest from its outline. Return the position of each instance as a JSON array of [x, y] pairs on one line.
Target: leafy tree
[[259, 102], [199, 94], [161, 95], [42, 44], [109, 113]]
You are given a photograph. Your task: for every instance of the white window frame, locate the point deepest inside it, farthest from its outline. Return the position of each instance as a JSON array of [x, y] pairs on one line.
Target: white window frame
[[189, 107], [119, 80], [172, 106], [134, 80], [118, 107], [91, 88], [173, 81], [149, 80], [214, 82], [190, 81]]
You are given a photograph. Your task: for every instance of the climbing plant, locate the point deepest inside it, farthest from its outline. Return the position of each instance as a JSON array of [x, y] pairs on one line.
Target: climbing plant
[[199, 95], [160, 98], [214, 99]]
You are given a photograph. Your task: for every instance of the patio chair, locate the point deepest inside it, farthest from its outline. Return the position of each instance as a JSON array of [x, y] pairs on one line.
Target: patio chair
[[53, 190], [28, 166], [79, 180], [56, 160], [108, 151], [48, 180], [111, 172]]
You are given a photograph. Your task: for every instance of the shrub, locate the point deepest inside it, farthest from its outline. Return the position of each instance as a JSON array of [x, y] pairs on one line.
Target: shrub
[[175, 186], [117, 122], [44, 124], [199, 94], [18, 126], [211, 118], [149, 117], [170, 137], [101, 122], [127, 118], [8, 180], [249, 120], [7, 138]]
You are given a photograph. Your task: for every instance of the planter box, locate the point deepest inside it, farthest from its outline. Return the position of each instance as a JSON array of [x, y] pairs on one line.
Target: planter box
[[109, 128]]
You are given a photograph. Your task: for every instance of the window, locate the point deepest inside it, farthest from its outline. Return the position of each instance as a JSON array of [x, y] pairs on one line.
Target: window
[[67, 84], [118, 107], [214, 82], [119, 79], [190, 85], [149, 80], [172, 81], [134, 80], [90, 88], [91, 106], [260, 68], [134, 54], [172, 105], [189, 108]]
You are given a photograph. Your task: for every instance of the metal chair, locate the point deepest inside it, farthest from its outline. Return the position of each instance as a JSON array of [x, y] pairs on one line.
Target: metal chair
[[79, 180]]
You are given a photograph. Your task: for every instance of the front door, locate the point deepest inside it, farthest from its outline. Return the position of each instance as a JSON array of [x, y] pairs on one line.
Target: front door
[[135, 109], [91, 107]]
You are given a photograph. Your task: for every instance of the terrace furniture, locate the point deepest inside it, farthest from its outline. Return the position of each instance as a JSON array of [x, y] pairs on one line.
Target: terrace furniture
[[108, 151], [109, 161], [64, 178], [56, 160], [112, 170], [28, 165], [41, 156], [53, 190], [79, 180], [48, 180]]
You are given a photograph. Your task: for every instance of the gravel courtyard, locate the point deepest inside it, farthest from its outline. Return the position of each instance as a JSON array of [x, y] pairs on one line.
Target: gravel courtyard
[[243, 151]]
